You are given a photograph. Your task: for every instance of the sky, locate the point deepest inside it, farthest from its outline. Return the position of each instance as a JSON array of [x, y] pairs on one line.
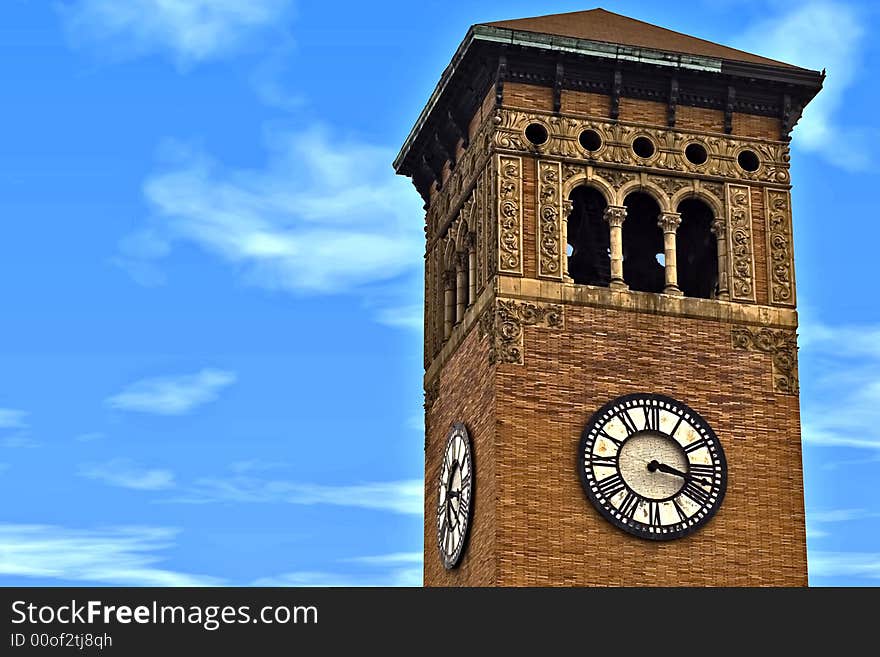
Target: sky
[[211, 283]]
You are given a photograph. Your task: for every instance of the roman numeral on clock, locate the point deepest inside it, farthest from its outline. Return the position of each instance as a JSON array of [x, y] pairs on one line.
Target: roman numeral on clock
[[627, 422], [696, 493], [602, 461], [610, 486], [701, 470], [681, 514], [654, 514], [629, 505], [652, 418], [694, 446], [607, 436]]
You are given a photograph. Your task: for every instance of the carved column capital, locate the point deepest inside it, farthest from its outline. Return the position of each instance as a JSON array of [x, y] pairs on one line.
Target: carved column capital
[[615, 215], [461, 260], [449, 279], [470, 242], [669, 221], [567, 206], [719, 227]]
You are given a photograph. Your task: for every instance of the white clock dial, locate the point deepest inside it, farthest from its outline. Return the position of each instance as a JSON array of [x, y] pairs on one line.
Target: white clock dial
[[652, 466], [455, 495]]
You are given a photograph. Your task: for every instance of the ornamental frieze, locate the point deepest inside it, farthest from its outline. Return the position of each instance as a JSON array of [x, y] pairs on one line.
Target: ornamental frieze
[[781, 344], [510, 206], [779, 252], [503, 323], [549, 214], [616, 146], [742, 263], [460, 181]]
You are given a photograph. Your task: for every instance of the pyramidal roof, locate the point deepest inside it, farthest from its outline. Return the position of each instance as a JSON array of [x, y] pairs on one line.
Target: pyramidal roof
[[601, 25]]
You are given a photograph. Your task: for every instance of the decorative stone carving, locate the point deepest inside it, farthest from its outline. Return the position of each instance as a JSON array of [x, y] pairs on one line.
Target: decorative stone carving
[[461, 181], [503, 323], [715, 189], [780, 263], [781, 344], [739, 204], [617, 140], [550, 220], [569, 171], [670, 185], [510, 214], [615, 178]]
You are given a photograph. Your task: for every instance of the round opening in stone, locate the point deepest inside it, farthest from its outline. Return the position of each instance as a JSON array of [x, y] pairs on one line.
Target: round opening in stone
[[748, 161], [643, 147], [536, 133], [696, 154], [590, 140]]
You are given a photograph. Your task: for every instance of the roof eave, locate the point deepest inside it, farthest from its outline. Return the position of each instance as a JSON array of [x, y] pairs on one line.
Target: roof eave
[[586, 47]]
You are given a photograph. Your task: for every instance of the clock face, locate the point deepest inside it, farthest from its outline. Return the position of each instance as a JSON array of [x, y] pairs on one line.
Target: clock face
[[456, 487], [652, 466]]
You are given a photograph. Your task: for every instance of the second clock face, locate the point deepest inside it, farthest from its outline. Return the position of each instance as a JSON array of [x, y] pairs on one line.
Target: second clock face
[[455, 492], [652, 466]]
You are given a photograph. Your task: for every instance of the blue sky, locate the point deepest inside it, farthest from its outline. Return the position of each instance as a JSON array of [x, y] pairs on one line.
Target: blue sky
[[205, 378]]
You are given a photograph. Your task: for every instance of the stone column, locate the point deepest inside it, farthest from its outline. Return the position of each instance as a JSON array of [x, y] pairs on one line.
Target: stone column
[[461, 284], [719, 230], [567, 207], [472, 268], [669, 223], [448, 302], [615, 215]]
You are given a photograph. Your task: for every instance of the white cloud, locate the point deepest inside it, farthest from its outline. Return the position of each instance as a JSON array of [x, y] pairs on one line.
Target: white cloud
[[323, 216], [121, 556], [394, 496], [172, 395], [398, 569], [835, 47], [843, 408], [844, 564], [190, 30], [125, 474], [816, 518], [390, 559], [11, 418]]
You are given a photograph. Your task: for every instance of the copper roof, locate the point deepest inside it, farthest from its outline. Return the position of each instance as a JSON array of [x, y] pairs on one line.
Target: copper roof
[[601, 25]]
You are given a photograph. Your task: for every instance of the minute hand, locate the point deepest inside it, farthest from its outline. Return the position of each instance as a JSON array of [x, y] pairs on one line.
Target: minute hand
[[662, 467]]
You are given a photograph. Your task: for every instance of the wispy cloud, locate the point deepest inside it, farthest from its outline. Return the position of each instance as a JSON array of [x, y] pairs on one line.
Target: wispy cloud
[[172, 395], [844, 564], [190, 31], [394, 496], [817, 521], [324, 216], [835, 47], [123, 556], [844, 406], [398, 569], [11, 418], [126, 474]]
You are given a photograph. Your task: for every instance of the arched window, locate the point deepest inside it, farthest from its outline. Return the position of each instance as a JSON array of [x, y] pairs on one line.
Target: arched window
[[643, 258], [697, 250], [588, 258]]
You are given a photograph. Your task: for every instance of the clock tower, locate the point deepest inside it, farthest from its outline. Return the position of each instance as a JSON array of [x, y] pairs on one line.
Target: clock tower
[[611, 382]]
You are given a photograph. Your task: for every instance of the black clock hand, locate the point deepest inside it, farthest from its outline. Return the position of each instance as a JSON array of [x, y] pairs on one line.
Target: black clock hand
[[653, 466]]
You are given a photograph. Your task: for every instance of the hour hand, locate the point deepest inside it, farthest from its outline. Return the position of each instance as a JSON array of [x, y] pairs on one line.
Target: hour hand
[[653, 466]]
